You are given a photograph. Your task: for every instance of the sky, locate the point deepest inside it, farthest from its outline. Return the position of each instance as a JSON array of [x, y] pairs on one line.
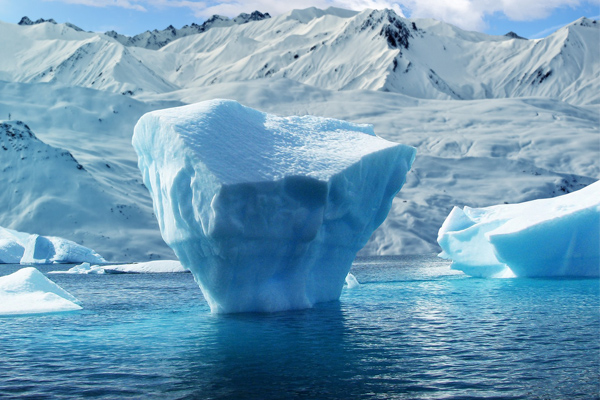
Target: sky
[[529, 18]]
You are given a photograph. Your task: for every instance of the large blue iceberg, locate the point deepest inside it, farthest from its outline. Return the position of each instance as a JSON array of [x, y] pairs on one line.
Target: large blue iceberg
[[267, 212], [559, 236]]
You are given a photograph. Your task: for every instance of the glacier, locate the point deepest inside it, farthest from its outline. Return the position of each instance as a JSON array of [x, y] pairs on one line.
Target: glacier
[[28, 291], [551, 237], [24, 248], [267, 212]]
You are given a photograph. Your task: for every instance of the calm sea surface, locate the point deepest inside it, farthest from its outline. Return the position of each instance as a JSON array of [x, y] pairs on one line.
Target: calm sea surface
[[412, 330]]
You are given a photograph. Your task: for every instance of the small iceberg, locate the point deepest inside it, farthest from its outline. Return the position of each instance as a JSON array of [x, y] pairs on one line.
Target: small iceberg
[[552, 237], [24, 248], [150, 267], [28, 291], [351, 281]]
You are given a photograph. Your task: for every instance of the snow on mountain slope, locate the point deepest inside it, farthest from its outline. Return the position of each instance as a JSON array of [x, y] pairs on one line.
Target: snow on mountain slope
[[332, 49], [156, 39], [468, 152], [49, 192], [473, 152], [378, 50], [49, 52]]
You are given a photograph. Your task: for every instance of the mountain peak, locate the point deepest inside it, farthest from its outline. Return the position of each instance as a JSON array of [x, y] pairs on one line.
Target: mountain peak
[[513, 35], [15, 130], [26, 21], [156, 39]]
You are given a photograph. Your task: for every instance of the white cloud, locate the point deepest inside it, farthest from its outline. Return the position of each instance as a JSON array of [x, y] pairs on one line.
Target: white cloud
[[129, 4], [276, 7], [471, 14]]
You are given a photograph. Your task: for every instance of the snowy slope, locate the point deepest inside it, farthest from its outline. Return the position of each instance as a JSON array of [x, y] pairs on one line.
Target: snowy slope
[[332, 49], [526, 134], [476, 153], [47, 191], [156, 39], [57, 53]]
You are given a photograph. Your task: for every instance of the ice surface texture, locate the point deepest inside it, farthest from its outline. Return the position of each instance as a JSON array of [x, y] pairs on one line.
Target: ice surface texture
[[19, 247], [28, 291], [548, 237], [267, 212]]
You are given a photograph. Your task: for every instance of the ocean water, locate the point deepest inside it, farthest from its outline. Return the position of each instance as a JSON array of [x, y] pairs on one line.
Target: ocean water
[[414, 329]]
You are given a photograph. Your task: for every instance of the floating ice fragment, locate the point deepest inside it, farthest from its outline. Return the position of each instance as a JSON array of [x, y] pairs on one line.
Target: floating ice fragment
[[20, 247], [559, 236], [28, 291], [55, 250], [267, 212], [150, 267], [351, 281]]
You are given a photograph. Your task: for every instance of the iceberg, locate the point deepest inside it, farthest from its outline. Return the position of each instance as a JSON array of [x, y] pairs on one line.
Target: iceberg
[[11, 246], [267, 212], [55, 250], [552, 237], [28, 291], [149, 267], [24, 248]]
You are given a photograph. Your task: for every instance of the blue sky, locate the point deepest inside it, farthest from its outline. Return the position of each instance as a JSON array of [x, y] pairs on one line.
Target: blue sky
[[528, 18]]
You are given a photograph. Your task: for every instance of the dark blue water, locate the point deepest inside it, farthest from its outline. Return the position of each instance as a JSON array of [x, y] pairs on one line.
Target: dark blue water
[[412, 330]]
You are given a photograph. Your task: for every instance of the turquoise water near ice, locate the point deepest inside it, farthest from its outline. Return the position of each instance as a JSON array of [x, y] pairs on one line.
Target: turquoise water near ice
[[413, 330]]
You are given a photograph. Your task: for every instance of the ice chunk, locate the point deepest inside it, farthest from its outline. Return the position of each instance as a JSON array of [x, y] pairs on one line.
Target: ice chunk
[[548, 237], [55, 250], [20, 247], [83, 268], [267, 212], [11, 247], [351, 281], [28, 291], [150, 267]]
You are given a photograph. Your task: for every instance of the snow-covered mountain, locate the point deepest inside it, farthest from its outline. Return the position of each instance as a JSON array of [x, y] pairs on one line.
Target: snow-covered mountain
[[156, 39], [494, 118], [47, 190], [330, 49]]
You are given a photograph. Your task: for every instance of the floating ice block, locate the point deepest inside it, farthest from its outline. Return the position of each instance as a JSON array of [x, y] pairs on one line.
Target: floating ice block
[[267, 212], [559, 236]]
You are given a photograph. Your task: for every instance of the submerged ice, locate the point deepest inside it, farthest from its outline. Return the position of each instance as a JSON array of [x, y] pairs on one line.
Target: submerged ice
[[548, 237], [267, 212]]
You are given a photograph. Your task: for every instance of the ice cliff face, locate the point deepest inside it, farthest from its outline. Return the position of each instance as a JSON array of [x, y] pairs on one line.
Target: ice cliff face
[[267, 212]]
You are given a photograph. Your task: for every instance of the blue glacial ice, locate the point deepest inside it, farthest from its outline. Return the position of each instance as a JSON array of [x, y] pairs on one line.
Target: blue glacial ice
[[559, 236], [28, 291], [20, 247], [267, 212]]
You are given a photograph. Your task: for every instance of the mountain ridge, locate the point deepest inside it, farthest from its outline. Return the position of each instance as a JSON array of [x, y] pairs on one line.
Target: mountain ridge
[[494, 119], [324, 48]]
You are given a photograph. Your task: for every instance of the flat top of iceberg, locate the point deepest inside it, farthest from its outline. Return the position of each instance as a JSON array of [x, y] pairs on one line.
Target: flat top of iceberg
[[28, 291], [252, 146], [520, 216]]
